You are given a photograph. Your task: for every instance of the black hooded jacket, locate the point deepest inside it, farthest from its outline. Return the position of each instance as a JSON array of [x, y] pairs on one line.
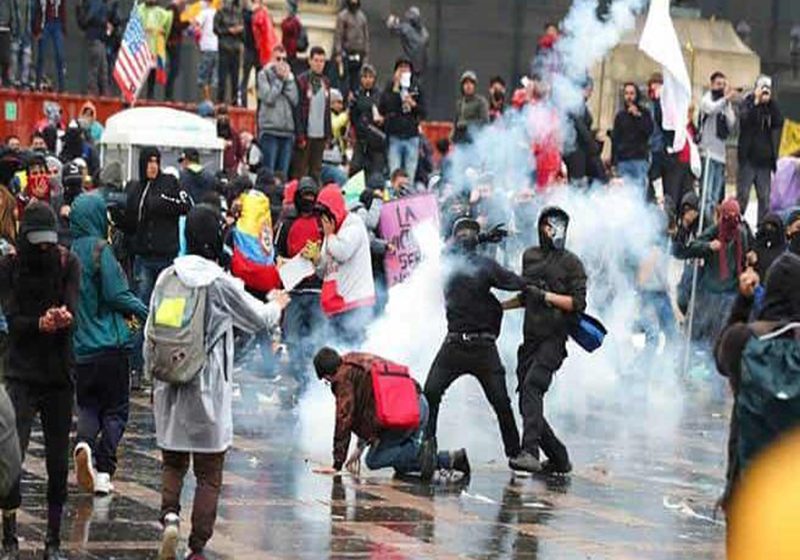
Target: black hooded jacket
[[770, 243], [31, 282], [554, 270], [153, 209]]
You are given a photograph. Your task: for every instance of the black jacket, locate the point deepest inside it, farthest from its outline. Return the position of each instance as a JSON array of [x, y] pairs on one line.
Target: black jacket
[[397, 121], [152, 212], [630, 138], [470, 305], [197, 182], [559, 272], [361, 111], [759, 127], [33, 356]]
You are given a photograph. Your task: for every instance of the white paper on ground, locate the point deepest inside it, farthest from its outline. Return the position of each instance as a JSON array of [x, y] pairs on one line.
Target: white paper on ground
[[294, 271]]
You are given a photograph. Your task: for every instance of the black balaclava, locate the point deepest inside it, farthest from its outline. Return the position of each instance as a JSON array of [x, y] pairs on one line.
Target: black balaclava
[[782, 300], [466, 243], [557, 219], [307, 185], [39, 268], [204, 233], [770, 241]]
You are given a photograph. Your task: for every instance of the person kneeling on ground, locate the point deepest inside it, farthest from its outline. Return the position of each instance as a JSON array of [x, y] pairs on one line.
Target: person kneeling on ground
[[194, 418], [351, 382]]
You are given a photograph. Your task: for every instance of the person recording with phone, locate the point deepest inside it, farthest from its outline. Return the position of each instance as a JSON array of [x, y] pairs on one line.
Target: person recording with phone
[[759, 134], [403, 107]]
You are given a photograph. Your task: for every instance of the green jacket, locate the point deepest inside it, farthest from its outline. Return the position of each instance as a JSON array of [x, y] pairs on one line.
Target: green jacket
[[105, 298], [700, 248]]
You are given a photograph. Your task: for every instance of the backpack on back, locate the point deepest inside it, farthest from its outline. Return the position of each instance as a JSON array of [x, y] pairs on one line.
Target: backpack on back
[[396, 397], [175, 333], [768, 403]]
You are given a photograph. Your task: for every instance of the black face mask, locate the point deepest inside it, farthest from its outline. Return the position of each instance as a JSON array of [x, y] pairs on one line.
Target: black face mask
[[40, 261], [794, 244], [717, 94], [466, 244]]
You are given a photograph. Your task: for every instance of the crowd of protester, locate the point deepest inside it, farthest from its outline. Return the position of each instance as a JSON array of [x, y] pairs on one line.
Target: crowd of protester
[[86, 250]]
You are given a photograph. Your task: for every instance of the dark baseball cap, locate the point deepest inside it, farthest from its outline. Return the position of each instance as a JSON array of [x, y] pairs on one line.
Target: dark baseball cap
[[190, 154]]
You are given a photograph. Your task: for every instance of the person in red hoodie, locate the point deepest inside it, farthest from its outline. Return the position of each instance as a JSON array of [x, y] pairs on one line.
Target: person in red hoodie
[[263, 33], [291, 29], [543, 125], [300, 230]]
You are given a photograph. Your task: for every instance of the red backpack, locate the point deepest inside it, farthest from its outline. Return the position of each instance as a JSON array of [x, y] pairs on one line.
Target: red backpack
[[396, 396]]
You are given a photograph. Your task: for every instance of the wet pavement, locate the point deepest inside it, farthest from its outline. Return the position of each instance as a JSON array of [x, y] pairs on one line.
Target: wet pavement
[[637, 492]]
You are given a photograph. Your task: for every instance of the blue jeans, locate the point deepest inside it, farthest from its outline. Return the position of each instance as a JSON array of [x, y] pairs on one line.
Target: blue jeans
[[400, 450], [51, 33], [303, 324], [21, 50], [716, 188], [145, 273], [657, 316], [635, 172], [276, 152], [404, 152]]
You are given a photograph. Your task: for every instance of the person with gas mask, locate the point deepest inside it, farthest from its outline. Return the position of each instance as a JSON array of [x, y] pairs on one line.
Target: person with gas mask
[[194, 420], [39, 288], [555, 294], [474, 316], [301, 230]]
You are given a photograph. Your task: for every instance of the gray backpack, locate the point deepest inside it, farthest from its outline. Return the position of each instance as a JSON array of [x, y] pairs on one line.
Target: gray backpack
[[175, 332]]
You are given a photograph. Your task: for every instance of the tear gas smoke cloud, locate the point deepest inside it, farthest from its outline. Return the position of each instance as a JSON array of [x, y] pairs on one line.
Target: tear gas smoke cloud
[[610, 229]]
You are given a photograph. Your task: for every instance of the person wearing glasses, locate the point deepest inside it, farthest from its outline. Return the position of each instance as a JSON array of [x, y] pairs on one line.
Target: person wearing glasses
[[278, 97]]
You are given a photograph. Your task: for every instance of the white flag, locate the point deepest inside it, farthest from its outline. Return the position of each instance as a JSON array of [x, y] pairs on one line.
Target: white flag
[[660, 42]]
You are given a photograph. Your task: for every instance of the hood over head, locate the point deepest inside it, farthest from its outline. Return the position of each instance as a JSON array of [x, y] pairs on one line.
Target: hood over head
[[413, 16], [332, 200], [782, 300], [90, 107], [690, 201], [204, 235], [770, 232], [306, 185], [88, 217], [144, 155], [197, 272], [558, 219]]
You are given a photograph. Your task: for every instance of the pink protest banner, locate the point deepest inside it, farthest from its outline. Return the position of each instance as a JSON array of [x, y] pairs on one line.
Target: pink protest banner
[[398, 219]]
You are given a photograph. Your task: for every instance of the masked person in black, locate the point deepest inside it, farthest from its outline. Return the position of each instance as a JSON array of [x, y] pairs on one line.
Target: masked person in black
[[770, 243], [556, 293], [474, 316], [39, 288]]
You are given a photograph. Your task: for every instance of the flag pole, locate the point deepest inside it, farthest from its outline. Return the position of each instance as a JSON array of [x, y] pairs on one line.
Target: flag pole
[[687, 357]]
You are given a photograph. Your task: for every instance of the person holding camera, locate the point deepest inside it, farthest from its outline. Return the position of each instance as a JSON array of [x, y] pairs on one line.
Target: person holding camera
[[497, 98], [760, 127], [402, 106], [717, 120], [474, 316]]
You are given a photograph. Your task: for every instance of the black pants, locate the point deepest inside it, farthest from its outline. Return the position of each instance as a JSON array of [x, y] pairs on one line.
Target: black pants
[[480, 359], [677, 180], [249, 63], [102, 388], [54, 406], [354, 74], [228, 75], [370, 160], [173, 69], [537, 361]]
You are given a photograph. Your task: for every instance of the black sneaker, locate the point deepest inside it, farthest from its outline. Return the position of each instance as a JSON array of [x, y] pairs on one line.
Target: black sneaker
[[459, 462], [525, 461], [53, 552], [554, 469], [427, 459]]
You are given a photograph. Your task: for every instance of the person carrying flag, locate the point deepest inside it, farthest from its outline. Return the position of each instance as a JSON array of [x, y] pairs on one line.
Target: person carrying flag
[[157, 22]]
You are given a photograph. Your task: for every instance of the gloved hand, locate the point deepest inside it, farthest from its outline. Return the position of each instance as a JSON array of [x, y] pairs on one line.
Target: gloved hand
[[494, 235], [534, 294]]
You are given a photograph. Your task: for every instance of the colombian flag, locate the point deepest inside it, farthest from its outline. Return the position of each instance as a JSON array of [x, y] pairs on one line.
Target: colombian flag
[[253, 251], [161, 57]]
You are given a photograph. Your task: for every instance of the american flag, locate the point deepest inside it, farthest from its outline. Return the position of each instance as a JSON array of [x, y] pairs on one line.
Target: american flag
[[134, 59]]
